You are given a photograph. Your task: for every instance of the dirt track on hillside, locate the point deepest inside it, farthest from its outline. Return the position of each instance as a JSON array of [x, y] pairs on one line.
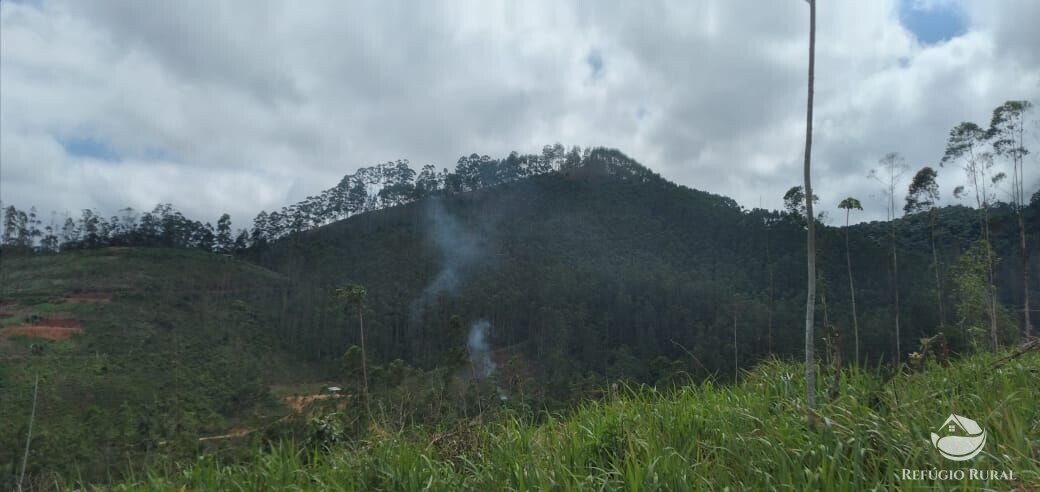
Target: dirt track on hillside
[[50, 329]]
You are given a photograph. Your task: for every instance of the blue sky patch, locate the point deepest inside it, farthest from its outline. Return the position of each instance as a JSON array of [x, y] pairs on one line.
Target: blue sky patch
[[595, 61], [90, 148], [932, 23]]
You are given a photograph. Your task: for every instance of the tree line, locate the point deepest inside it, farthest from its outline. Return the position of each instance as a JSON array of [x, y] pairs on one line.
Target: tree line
[[368, 189]]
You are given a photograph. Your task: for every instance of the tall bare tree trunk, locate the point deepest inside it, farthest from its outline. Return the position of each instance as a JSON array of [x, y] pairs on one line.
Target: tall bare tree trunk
[[1027, 326], [364, 358], [736, 363], [769, 266], [852, 287], [938, 277], [28, 435], [895, 288], [810, 250], [992, 282], [834, 348]]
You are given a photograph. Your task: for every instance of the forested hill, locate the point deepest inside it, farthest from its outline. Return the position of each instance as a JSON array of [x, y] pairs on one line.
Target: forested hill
[[587, 274]]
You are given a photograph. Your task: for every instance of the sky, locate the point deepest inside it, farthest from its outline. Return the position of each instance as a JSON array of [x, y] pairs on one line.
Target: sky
[[245, 106]]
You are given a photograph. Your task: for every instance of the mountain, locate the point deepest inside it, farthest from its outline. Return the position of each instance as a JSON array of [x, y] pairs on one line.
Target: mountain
[[608, 271]]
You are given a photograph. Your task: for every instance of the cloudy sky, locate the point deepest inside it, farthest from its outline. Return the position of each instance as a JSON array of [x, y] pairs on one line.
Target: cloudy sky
[[243, 106]]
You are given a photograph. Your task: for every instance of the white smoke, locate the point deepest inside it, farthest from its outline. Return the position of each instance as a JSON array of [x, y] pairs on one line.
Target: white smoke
[[479, 351], [458, 249]]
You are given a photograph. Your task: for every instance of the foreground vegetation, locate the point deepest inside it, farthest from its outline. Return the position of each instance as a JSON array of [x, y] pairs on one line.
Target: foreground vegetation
[[748, 436], [121, 355]]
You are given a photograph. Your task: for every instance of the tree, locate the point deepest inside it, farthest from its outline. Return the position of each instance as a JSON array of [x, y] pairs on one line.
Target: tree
[[971, 292], [965, 144], [426, 183], [357, 197], [736, 360], [10, 226], [90, 227], [794, 201], [891, 168], [242, 240], [260, 225], [224, 242], [69, 232], [355, 295], [33, 227], [849, 204], [810, 250], [351, 364], [1007, 132], [922, 196]]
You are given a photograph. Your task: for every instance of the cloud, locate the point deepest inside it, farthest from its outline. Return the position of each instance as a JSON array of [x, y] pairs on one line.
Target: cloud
[[216, 107]]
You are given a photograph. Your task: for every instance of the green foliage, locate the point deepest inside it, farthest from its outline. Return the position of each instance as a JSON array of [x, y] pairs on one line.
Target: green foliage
[[794, 201], [354, 295], [850, 203], [923, 193], [173, 347], [351, 363], [972, 292], [750, 436], [972, 295]]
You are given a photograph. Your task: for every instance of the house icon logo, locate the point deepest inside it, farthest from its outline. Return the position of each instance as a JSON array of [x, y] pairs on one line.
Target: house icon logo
[[961, 439]]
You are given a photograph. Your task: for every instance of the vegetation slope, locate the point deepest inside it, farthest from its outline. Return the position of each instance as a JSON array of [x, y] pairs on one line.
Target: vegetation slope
[[137, 352], [748, 436]]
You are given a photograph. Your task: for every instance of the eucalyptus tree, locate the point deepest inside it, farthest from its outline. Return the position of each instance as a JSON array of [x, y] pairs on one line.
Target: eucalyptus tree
[[890, 170], [923, 196], [223, 240], [967, 145], [355, 296], [1007, 133], [848, 205], [810, 245]]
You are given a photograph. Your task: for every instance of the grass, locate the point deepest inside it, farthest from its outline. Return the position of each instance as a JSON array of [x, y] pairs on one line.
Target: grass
[[749, 436]]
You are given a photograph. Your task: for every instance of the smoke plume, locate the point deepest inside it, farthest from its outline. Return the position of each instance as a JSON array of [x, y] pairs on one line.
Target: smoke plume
[[479, 351], [458, 249]]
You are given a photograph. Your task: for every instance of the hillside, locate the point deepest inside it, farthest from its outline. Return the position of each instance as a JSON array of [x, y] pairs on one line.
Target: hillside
[[750, 436], [585, 276], [138, 353]]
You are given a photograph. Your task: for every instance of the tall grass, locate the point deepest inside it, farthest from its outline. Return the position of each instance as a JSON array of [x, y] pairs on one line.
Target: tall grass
[[749, 436]]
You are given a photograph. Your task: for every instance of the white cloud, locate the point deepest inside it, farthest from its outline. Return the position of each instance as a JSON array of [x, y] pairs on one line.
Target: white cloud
[[223, 106]]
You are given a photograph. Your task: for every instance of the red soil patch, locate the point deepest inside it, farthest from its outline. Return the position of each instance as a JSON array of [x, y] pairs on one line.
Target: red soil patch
[[300, 402], [54, 329], [50, 329]]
